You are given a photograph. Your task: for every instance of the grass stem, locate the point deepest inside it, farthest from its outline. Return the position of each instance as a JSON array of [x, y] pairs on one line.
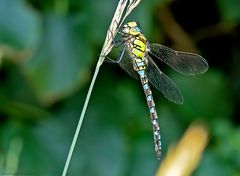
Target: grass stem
[[123, 6]]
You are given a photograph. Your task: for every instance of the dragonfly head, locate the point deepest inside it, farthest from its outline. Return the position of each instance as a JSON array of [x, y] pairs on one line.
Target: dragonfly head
[[131, 28]]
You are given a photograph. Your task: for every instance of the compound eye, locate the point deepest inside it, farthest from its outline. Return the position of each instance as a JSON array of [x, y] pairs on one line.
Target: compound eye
[[137, 29]]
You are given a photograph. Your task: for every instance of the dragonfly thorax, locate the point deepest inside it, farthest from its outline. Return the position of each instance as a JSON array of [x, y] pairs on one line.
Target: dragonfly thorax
[[136, 44]]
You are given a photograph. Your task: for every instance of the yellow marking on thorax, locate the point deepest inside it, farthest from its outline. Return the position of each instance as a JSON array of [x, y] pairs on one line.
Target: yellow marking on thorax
[[139, 46], [138, 53], [142, 38], [131, 24], [133, 32]]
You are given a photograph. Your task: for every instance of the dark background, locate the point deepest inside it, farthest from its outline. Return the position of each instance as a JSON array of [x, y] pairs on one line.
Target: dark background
[[48, 52]]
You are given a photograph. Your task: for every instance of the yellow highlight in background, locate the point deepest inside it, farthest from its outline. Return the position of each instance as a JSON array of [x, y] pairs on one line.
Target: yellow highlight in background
[[184, 158]]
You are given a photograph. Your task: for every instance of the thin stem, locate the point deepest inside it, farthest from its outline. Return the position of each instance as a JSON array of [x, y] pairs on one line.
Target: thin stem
[[107, 46], [81, 119]]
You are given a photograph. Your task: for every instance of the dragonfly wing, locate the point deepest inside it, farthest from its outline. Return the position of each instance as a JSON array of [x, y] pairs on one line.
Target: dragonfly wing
[[163, 83], [183, 62], [126, 64]]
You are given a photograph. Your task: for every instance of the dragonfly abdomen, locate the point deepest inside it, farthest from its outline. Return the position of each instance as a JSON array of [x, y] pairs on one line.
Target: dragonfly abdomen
[[153, 112]]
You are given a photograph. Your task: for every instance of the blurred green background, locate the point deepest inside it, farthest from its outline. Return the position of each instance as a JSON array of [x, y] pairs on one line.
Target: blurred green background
[[48, 52]]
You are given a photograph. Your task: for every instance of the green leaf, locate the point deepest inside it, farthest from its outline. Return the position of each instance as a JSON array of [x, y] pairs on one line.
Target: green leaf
[[60, 64], [211, 164], [19, 25], [229, 10], [204, 94]]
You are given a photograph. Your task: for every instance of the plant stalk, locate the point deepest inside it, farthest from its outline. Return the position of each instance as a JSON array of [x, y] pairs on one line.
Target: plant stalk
[[107, 46]]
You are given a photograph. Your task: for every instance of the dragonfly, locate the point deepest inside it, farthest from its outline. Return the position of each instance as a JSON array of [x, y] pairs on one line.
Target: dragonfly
[[136, 60]]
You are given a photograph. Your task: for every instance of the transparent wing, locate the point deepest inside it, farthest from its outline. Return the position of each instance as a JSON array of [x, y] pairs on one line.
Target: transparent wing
[[126, 64], [163, 83], [183, 62]]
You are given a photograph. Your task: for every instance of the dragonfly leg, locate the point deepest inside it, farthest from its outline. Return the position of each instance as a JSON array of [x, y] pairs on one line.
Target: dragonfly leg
[[112, 36], [116, 29], [119, 59], [109, 60], [115, 21], [117, 43], [121, 55]]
